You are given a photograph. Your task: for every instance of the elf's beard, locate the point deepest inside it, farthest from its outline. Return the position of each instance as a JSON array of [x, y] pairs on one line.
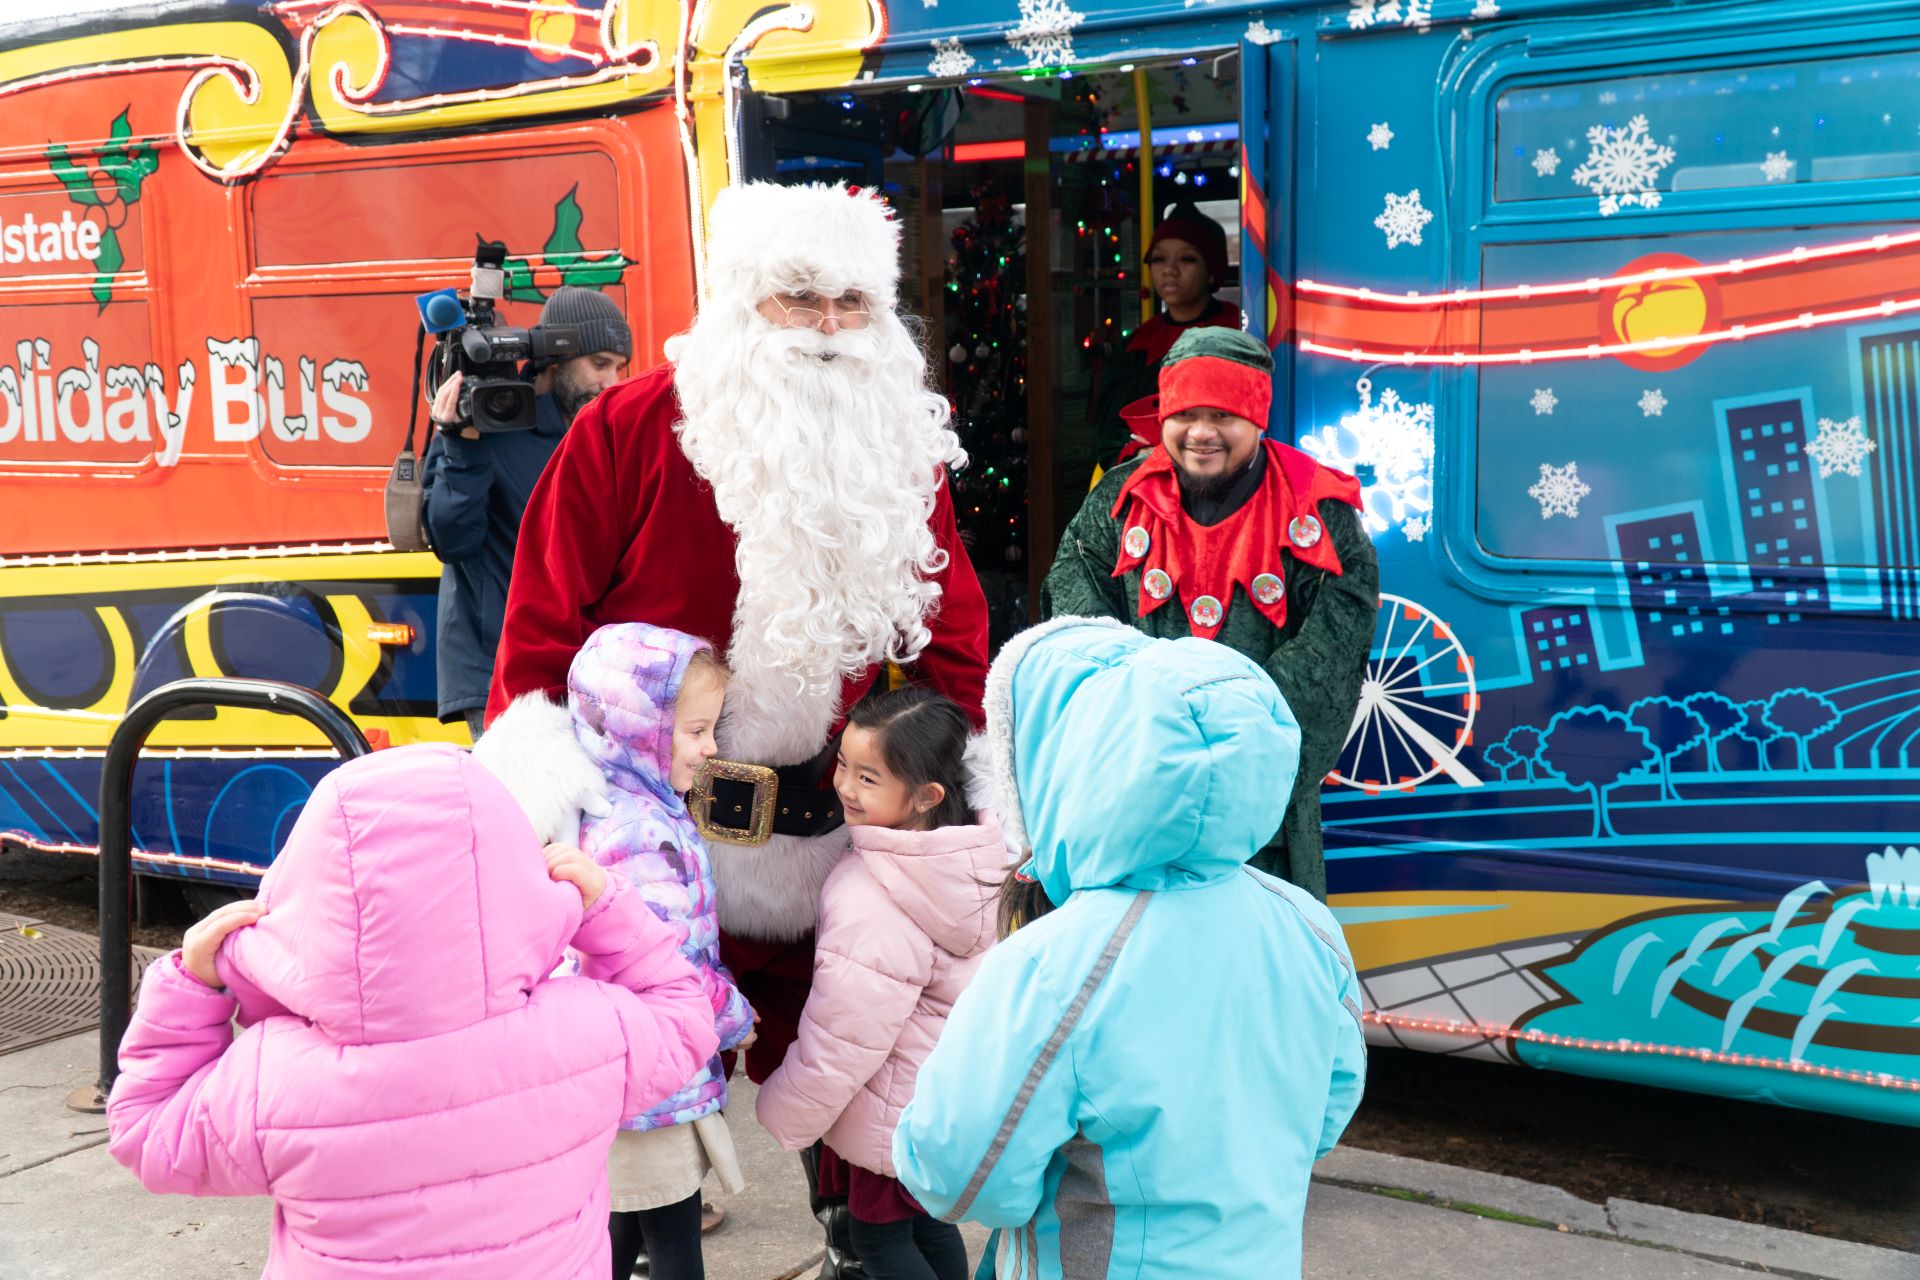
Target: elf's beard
[[824, 453], [1209, 488]]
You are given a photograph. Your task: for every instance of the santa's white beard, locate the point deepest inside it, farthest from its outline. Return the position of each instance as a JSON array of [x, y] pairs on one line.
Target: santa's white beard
[[824, 455]]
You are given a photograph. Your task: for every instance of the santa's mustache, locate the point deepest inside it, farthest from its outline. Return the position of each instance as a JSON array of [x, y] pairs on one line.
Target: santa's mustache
[[803, 348]]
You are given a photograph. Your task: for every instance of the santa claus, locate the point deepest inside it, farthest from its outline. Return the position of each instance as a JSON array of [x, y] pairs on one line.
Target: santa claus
[[777, 488]]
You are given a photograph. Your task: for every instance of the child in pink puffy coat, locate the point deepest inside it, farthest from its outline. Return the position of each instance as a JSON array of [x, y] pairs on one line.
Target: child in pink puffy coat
[[904, 921], [416, 1095]]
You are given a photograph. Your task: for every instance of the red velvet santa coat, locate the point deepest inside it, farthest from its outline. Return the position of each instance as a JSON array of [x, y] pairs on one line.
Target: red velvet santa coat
[[621, 529]]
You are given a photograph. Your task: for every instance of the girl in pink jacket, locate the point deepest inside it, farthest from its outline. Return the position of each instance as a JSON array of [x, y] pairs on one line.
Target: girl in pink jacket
[[418, 1098], [904, 921]]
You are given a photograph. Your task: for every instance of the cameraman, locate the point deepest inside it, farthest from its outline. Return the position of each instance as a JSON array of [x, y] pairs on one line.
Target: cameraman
[[476, 486]]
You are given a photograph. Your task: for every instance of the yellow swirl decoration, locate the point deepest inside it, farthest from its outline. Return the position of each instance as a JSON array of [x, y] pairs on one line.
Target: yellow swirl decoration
[[348, 52], [813, 44], [237, 110]]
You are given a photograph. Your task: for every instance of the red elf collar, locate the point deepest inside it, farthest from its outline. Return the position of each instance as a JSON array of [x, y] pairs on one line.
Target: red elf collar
[[1201, 564]]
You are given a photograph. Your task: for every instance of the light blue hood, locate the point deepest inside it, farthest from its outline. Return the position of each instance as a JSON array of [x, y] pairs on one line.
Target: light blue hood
[[1196, 753], [1135, 1086]]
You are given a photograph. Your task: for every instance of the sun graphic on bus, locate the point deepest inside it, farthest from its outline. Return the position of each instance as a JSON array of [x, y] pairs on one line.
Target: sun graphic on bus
[[1678, 306], [550, 29]]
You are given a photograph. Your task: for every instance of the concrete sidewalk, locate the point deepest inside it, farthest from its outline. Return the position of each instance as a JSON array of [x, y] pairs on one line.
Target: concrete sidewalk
[[68, 1211]]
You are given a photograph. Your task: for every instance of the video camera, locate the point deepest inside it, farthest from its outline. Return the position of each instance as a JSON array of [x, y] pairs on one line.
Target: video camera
[[494, 394]]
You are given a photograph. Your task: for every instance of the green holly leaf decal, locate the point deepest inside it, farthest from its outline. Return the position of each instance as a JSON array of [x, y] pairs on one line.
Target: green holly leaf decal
[[565, 240], [73, 177], [520, 285], [109, 261], [128, 165], [565, 250], [595, 274]]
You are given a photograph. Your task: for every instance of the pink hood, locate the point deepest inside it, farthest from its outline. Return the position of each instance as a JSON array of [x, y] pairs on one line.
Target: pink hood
[[904, 921], [945, 881], [436, 1109], [410, 900]]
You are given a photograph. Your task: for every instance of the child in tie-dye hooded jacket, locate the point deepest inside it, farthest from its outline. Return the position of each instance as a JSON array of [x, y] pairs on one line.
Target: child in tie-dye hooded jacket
[[644, 701]]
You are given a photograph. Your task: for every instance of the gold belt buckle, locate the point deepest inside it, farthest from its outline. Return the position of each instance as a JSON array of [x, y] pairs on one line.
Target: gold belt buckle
[[766, 786]]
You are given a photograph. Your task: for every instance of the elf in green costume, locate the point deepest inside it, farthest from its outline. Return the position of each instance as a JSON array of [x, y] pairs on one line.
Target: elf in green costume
[[1224, 534]]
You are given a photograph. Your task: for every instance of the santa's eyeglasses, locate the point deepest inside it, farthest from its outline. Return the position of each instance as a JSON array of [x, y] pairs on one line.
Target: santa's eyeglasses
[[802, 311]]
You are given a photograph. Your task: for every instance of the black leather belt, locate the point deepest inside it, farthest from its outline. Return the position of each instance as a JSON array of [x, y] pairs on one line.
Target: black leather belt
[[747, 804]]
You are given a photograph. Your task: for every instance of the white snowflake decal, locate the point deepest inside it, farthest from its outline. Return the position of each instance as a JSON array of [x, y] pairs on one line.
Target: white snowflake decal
[[1840, 447], [1622, 166], [1608, 97], [1258, 32], [1652, 403], [1559, 490], [1416, 528], [1045, 32], [1546, 162], [1390, 445], [1777, 167], [1543, 400], [1485, 9], [950, 58], [1403, 218], [1362, 14], [1380, 136]]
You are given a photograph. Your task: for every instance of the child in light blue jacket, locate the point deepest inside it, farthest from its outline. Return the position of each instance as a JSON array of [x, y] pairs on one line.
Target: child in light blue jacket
[[1138, 1083]]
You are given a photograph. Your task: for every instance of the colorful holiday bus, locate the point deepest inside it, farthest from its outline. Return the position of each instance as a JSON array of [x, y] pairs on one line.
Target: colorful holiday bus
[[1613, 307]]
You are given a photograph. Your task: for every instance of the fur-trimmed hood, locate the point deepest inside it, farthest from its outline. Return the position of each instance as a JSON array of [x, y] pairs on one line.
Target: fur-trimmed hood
[[1196, 750]]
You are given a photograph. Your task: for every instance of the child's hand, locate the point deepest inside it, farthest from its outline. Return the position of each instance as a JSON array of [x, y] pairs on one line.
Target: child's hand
[[753, 1035], [564, 862], [203, 940]]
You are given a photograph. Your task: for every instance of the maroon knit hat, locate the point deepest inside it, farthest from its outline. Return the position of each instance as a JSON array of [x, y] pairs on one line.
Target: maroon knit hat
[[1184, 222]]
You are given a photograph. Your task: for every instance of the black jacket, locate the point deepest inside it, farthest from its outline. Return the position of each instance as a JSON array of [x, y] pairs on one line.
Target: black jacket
[[476, 492]]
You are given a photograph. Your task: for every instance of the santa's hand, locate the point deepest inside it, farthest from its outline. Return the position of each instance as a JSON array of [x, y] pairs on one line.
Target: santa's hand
[[530, 748]]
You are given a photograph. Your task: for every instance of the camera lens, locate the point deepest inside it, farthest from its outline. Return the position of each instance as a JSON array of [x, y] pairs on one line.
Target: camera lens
[[500, 403]]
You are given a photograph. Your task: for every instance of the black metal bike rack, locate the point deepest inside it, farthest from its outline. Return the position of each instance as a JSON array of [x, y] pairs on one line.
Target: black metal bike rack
[[116, 821]]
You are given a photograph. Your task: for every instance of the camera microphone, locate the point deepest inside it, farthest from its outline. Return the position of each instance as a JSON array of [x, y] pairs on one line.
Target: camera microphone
[[443, 312]]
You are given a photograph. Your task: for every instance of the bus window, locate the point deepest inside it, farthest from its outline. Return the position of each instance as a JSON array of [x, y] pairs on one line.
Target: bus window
[[79, 386], [1767, 458], [328, 244], [1826, 120]]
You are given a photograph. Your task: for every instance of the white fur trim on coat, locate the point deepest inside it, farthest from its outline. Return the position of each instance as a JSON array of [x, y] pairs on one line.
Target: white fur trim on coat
[[764, 238], [531, 749], [992, 783]]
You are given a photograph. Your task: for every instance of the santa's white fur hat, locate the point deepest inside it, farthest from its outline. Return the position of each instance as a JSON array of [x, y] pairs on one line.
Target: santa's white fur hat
[[764, 238]]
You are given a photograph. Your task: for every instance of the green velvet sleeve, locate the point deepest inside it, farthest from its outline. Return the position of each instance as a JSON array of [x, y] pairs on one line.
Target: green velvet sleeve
[[1081, 582], [1319, 668]]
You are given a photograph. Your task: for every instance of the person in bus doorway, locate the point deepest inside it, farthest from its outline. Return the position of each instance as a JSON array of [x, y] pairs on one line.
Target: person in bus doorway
[[1063, 1103], [475, 487], [1186, 262], [1221, 533]]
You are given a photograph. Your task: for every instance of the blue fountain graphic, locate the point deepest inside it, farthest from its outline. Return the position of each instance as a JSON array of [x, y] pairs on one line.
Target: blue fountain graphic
[[1804, 1002]]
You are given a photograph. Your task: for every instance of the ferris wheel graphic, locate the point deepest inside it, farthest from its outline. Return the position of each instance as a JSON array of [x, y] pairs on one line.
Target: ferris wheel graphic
[[1417, 706]]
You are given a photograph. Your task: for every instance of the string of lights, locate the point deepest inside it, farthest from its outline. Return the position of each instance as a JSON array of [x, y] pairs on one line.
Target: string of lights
[[1594, 350], [1485, 1031], [1797, 255], [51, 561]]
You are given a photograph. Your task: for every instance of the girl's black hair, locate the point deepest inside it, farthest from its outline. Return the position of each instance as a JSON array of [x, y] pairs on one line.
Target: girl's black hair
[[1020, 903], [923, 738]]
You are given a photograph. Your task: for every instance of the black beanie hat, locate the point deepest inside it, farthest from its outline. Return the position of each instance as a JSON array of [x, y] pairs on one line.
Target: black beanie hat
[[602, 327]]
